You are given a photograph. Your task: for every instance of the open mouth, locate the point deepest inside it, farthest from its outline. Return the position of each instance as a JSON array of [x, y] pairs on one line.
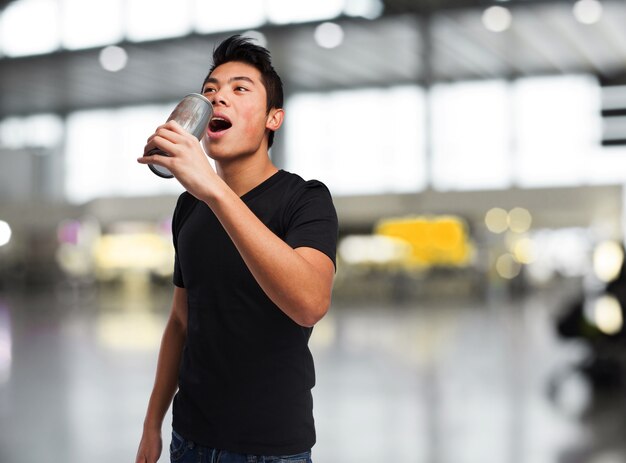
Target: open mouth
[[219, 124]]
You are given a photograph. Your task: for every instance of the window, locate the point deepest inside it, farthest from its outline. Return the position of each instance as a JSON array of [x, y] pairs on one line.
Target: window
[[359, 141], [102, 148], [471, 136], [37, 131], [557, 136]]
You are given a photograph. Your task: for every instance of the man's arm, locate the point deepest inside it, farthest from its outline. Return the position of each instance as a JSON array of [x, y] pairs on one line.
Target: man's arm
[[299, 281], [166, 381]]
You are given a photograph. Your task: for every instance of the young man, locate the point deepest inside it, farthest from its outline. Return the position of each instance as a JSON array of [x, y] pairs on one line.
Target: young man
[[255, 261]]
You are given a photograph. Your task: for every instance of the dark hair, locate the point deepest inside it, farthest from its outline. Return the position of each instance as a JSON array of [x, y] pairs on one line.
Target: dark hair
[[238, 48]]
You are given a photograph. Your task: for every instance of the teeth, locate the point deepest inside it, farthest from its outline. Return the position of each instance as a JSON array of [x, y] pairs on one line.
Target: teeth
[[219, 119]]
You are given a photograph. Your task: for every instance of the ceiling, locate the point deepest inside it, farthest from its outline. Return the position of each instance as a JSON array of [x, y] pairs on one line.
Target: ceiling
[[422, 42]]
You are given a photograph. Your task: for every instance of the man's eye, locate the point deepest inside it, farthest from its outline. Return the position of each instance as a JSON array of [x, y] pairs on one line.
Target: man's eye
[[208, 90], [241, 89]]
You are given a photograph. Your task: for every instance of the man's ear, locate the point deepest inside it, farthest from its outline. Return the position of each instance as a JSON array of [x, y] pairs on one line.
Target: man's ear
[[275, 119]]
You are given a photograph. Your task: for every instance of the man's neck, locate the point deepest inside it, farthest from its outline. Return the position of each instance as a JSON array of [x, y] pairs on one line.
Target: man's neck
[[243, 175]]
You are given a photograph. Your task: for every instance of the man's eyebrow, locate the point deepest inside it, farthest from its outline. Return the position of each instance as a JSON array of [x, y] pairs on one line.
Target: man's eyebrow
[[247, 79], [213, 80]]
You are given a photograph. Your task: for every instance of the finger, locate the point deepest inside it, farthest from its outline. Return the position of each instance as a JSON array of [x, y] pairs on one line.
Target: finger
[[167, 131], [162, 126], [150, 138], [171, 133], [157, 159], [175, 127], [149, 146], [167, 144]]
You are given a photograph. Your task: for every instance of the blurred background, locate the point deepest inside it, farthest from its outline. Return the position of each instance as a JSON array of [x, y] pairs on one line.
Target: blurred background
[[476, 151]]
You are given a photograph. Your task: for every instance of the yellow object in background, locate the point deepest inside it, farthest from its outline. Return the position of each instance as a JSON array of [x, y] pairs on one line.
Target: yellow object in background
[[434, 241]]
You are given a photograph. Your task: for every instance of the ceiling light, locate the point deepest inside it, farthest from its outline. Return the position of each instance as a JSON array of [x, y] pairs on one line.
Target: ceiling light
[[497, 18], [329, 35], [30, 27], [369, 9], [158, 19], [288, 11], [91, 24], [588, 11], [113, 58], [232, 16]]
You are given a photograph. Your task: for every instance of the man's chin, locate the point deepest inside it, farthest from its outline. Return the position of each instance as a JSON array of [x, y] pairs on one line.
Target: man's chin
[[208, 145]]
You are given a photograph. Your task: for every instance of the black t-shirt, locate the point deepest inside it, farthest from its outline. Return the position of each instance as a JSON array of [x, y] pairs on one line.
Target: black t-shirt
[[246, 371]]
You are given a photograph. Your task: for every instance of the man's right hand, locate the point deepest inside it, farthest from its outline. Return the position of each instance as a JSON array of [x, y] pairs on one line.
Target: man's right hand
[[150, 447]]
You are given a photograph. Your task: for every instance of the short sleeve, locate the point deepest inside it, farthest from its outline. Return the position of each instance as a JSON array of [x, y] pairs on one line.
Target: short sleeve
[[178, 274], [177, 217], [311, 220]]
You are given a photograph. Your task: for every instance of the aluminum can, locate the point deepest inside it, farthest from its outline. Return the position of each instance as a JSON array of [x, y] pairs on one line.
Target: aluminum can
[[193, 113]]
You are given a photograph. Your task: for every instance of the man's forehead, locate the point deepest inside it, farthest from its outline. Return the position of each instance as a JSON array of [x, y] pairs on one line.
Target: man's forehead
[[234, 70]]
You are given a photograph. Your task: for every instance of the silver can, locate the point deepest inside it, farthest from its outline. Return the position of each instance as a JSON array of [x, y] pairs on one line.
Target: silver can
[[193, 113]]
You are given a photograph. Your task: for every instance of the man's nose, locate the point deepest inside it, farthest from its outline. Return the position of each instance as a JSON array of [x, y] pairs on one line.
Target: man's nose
[[217, 98]]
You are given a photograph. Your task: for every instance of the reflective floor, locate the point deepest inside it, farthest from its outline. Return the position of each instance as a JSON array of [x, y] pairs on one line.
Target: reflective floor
[[446, 382]]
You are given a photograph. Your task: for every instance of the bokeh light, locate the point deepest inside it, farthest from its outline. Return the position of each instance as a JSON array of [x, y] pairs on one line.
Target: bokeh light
[[373, 249], [113, 58], [329, 35], [607, 314], [608, 258], [519, 220], [497, 18], [5, 233], [524, 251], [587, 11], [507, 267], [496, 220]]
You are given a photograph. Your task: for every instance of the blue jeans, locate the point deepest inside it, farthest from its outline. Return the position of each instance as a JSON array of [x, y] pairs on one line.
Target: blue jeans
[[185, 451]]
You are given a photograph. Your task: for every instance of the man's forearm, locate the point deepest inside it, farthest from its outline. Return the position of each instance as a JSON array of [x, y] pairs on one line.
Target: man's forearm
[[166, 381]]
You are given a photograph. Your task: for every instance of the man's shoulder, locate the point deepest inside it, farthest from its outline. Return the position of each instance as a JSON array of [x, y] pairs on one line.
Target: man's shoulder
[[297, 184], [185, 199], [306, 195], [184, 205]]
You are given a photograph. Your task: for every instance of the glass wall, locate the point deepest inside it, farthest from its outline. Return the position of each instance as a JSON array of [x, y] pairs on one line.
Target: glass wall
[[490, 135], [486, 135]]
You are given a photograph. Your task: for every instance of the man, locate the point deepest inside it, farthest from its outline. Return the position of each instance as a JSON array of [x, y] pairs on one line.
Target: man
[[255, 261]]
